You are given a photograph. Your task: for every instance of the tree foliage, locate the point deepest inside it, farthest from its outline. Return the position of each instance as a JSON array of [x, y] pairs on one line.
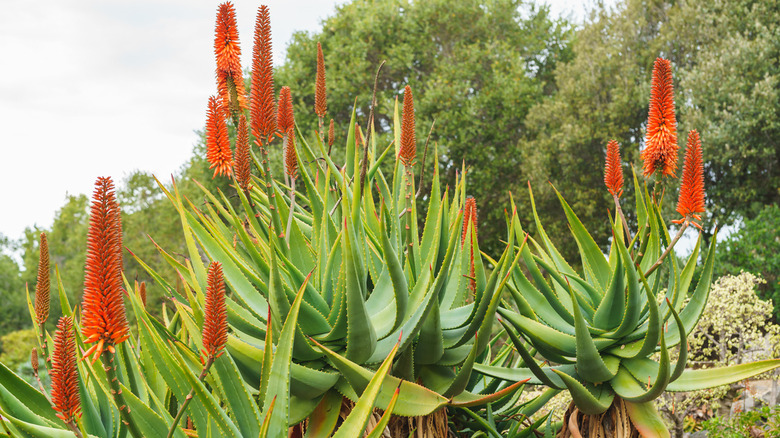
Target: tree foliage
[[476, 67], [724, 55]]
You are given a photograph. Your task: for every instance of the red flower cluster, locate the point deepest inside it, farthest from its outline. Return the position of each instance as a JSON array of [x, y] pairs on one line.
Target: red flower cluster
[[408, 150], [263, 106], [103, 317], [64, 372], [228, 54], [285, 119], [691, 200], [42, 287], [215, 315], [320, 94], [660, 153], [218, 150], [290, 155], [613, 170]]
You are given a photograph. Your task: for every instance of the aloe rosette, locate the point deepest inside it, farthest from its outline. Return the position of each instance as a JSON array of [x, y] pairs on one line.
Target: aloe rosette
[[605, 332], [371, 281]]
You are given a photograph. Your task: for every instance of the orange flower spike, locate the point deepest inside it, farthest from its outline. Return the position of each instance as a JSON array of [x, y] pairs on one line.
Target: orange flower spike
[[64, 373], [34, 360], [291, 155], [320, 92], [660, 153], [285, 118], [263, 106], [613, 170], [42, 287], [408, 150], [243, 160], [228, 53], [691, 200], [215, 315], [218, 151], [103, 318]]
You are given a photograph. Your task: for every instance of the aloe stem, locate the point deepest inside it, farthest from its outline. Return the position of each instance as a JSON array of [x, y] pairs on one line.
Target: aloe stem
[[188, 398], [623, 217], [116, 391], [73, 428], [292, 210], [668, 249]]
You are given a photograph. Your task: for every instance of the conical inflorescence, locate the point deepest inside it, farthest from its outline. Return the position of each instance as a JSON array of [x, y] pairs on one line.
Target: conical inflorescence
[[660, 153], [103, 319]]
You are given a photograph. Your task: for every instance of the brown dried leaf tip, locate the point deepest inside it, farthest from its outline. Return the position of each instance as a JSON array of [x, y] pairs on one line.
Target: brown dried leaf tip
[[215, 329], [42, 287], [408, 150], [263, 106], [243, 160], [103, 318], [285, 118], [320, 92], [613, 170], [691, 200], [64, 373], [218, 151], [660, 153]]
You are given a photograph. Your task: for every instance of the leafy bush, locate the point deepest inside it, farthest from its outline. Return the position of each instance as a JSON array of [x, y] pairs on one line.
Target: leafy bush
[[764, 422]]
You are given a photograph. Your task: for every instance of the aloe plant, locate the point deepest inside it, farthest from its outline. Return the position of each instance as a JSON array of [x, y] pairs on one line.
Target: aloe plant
[[606, 330]]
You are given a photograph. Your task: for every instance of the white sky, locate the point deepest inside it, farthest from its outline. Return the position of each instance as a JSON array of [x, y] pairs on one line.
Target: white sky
[[94, 88]]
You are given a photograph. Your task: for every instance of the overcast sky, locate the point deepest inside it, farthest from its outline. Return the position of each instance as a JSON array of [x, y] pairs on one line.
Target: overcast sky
[[95, 88]]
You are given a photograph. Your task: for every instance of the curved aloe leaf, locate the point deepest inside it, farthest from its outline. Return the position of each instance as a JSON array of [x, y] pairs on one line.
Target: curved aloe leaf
[[586, 401], [693, 380], [647, 420]]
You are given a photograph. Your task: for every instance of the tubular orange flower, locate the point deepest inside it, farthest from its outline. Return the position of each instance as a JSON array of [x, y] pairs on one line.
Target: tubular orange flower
[[660, 151], [243, 160], [263, 106], [331, 134], [215, 315], [408, 141], [285, 118], [228, 54], [691, 200], [64, 373], [218, 150], [320, 94], [291, 155], [43, 286], [103, 317], [613, 170]]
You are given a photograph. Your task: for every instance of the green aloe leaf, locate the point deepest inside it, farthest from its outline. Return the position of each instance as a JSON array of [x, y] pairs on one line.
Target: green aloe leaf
[[466, 399], [355, 423], [693, 380], [590, 403], [322, 420], [379, 429], [545, 377], [279, 380], [646, 419]]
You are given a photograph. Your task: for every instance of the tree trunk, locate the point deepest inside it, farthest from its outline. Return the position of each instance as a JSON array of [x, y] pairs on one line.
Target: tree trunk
[[613, 423]]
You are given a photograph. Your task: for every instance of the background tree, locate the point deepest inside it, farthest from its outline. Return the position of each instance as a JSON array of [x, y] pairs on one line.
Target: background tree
[[13, 311], [475, 66], [726, 85]]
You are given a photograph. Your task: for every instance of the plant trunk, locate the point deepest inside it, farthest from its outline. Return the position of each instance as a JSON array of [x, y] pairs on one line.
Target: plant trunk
[[613, 423]]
